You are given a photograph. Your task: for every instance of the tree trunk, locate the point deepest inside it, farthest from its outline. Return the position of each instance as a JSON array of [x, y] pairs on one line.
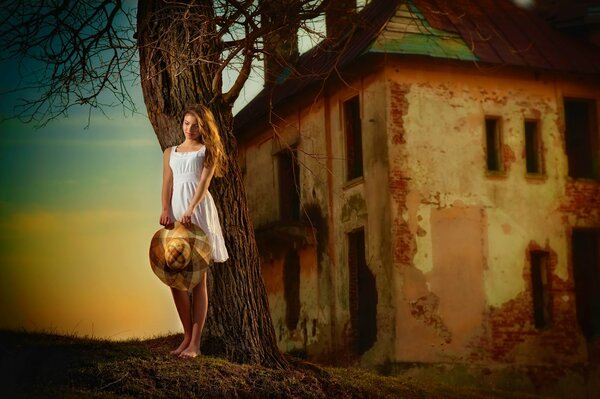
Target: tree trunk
[[239, 325]]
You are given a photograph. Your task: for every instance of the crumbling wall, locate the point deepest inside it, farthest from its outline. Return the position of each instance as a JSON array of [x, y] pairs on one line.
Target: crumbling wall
[[306, 238], [462, 236]]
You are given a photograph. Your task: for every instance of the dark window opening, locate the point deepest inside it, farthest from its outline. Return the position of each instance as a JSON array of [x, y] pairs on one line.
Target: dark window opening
[[533, 148], [353, 134], [540, 284], [586, 273], [363, 294], [291, 289], [493, 144], [289, 186], [581, 136]]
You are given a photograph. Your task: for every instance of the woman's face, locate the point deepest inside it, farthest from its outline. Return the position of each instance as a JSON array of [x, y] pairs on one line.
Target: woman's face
[[190, 127]]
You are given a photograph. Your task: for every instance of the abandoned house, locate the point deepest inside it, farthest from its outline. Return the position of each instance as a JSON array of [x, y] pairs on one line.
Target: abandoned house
[[424, 186]]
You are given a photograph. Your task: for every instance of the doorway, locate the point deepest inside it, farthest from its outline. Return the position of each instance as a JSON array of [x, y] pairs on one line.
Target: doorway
[[586, 273], [362, 293]]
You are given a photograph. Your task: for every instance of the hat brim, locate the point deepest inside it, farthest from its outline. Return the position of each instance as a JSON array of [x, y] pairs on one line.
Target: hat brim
[[187, 278]]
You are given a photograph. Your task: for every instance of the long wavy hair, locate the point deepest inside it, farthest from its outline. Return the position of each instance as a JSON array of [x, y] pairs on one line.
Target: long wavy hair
[[215, 153]]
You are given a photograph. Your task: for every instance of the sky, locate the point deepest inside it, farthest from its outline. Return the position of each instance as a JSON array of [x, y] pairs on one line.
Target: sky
[[77, 210]]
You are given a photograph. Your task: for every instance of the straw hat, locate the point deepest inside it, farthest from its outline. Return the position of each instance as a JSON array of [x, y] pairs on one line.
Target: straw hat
[[179, 255]]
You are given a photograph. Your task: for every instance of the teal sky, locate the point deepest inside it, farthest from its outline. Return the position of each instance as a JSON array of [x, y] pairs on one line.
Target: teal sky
[[78, 207]]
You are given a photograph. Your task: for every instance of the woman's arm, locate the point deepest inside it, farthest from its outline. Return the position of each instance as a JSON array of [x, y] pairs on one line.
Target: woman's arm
[[167, 189], [201, 190]]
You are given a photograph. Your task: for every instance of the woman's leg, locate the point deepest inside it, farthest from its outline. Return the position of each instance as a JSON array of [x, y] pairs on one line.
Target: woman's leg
[[183, 305], [199, 309]]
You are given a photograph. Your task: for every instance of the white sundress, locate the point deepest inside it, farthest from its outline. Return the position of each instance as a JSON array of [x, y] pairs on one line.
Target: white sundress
[[187, 168]]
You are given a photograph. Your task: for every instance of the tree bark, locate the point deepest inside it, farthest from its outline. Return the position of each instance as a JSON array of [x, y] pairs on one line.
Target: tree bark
[[239, 325]]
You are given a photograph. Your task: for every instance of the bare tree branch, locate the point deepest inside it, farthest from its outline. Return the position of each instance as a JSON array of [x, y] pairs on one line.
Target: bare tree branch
[[234, 92], [72, 53], [83, 53]]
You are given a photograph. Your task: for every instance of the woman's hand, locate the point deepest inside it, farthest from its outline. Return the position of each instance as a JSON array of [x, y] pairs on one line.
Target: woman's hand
[[165, 218], [186, 218]]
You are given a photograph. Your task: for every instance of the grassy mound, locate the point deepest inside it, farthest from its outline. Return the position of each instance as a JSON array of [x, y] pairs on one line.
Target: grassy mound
[[49, 365]]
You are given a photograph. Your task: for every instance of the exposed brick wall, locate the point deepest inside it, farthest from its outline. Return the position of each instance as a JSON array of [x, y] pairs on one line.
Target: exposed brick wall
[[404, 246], [512, 324], [426, 309], [582, 200], [403, 242], [398, 108], [508, 157]]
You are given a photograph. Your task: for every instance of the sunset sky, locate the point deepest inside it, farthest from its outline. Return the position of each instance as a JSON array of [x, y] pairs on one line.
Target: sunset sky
[[78, 208]]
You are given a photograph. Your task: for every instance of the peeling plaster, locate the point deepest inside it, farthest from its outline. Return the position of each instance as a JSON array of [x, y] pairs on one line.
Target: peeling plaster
[[426, 309], [353, 208], [423, 259], [451, 251]]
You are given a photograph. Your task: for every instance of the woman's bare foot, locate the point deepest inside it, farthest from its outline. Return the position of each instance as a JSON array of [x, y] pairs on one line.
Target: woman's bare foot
[[183, 346], [190, 352]]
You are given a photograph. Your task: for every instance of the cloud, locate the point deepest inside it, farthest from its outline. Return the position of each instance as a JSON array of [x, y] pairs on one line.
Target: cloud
[[130, 132], [82, 140], [83, 263], [42, 222]]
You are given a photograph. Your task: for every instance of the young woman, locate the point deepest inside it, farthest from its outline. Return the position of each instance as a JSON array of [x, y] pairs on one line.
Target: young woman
[[187, 171]]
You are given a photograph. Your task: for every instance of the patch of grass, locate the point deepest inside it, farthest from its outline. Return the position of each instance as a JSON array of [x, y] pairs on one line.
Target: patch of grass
[[50, 365]]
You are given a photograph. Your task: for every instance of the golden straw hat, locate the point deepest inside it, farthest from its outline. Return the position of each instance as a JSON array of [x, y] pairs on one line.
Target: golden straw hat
[[179, 255]]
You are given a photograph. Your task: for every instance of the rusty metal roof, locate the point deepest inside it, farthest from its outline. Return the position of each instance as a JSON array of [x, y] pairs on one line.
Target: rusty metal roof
[[485, 31], [499, 32]]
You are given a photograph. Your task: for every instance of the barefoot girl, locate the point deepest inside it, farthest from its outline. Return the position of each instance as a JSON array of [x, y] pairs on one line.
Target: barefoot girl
[[187, 171]]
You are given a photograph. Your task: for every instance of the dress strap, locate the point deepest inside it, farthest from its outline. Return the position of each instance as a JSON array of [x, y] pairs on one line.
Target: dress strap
[[173, 148]]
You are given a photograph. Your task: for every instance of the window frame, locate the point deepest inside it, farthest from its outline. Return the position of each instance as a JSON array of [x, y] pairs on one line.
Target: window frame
[[541, 288], [538, 148], [594, 137], [499, 142], [349, 177], [290, 152]]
